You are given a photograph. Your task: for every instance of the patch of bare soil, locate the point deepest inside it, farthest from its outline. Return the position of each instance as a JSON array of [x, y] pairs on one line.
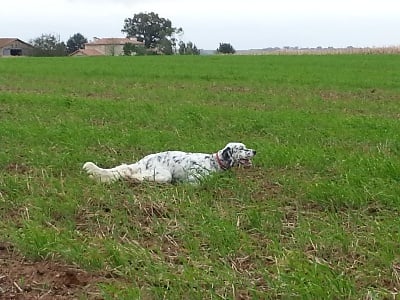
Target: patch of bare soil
[[23, 279], [16, 168], [265, 187]]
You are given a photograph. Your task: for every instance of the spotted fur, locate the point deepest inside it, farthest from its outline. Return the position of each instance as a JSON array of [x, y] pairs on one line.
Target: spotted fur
[[175, 166]]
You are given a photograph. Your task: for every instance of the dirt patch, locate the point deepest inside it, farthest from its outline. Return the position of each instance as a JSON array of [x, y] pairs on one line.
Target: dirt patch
[[23, 279], [247, 266], [264, 187], [17, 168]]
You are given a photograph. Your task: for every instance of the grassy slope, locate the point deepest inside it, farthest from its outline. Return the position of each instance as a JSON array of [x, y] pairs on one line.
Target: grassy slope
[[316, 217]]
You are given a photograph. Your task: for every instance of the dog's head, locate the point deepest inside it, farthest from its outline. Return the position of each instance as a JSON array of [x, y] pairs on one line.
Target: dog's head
[[235, 154]]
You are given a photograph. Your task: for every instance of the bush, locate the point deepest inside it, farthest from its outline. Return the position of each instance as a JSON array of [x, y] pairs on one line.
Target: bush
[[131, 49], [226, 48]]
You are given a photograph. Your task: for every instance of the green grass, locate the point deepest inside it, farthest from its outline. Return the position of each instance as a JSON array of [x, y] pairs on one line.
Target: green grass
[[316, 218]]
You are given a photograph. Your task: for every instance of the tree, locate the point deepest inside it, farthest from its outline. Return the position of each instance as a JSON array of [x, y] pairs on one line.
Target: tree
[[48, 45], [226, 48], [76, 42], [131, 49], [154, 31], [166, 46], [188, 49]]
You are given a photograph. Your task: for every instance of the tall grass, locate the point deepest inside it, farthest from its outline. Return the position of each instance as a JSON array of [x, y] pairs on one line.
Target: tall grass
[[315, 218]]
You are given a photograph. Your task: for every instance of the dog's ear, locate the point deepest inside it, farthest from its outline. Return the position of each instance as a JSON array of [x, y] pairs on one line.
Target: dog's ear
[[227, 155]]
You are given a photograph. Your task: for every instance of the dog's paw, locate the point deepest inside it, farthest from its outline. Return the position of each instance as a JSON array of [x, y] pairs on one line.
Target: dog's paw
[[89, 167]]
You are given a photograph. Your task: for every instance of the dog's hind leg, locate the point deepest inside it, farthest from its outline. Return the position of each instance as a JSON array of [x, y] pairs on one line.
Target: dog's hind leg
[[109, 175]]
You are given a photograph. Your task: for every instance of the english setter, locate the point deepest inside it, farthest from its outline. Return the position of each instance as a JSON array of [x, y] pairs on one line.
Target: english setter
[[175, 166]]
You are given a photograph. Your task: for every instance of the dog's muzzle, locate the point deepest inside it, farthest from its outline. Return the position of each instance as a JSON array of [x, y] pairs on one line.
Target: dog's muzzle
[[246, 162]]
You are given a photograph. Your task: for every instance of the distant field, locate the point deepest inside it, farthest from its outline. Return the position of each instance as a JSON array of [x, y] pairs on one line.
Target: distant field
[[317, 217]]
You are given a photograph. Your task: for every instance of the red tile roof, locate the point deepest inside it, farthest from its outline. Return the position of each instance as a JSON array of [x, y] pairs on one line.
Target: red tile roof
[[86, 52], [115, 41]]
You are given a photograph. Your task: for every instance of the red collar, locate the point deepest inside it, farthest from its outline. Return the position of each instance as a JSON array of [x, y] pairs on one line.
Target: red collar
[[220, 164]]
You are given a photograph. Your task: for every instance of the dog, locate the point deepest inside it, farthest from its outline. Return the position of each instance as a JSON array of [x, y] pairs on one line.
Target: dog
[[175, 166]]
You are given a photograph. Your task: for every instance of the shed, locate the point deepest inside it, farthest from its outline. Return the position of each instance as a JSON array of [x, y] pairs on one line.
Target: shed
[[14, 47]]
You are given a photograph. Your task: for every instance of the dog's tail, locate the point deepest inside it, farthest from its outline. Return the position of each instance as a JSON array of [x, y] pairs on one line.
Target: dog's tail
[[105, 175]]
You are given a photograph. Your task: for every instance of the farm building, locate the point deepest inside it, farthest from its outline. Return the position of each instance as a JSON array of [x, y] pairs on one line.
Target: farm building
[[106, 46], [14, 47]]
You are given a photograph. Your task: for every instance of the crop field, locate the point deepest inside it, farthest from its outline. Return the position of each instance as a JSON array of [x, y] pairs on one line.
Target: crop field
[[316, 217]]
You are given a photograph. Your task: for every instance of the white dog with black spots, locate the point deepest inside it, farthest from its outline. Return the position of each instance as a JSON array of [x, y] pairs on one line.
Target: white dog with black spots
[[175, 166]]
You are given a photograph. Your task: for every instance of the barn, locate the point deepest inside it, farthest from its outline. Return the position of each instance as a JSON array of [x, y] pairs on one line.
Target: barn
[[14, 47]]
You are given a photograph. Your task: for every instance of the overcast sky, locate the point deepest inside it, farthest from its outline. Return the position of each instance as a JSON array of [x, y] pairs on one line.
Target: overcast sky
[[246, 24]]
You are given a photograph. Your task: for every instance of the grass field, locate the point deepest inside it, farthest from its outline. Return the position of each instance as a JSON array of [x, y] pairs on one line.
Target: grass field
[[317, 217]]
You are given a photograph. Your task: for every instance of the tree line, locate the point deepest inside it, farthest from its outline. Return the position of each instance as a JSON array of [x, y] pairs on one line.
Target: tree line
[[157, 34]]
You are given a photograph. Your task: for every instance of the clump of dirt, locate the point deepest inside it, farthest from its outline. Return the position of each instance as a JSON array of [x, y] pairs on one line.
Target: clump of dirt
[[24, 279]]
